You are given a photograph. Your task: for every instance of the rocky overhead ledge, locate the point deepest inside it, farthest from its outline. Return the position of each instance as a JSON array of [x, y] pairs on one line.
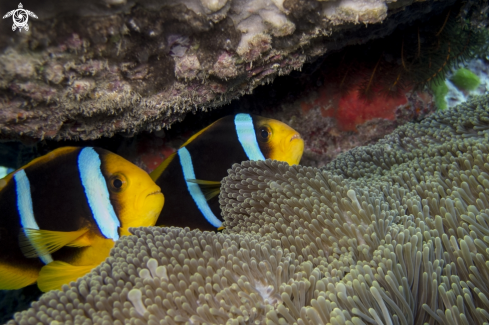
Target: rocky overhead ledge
[[95, 68]]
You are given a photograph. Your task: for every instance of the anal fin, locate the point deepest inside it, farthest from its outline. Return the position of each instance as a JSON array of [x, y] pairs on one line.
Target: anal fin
[[57, 273], [37, 242]]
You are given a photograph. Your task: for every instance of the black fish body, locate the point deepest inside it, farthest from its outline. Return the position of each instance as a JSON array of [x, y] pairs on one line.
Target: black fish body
[[44, 202], [212, 163]]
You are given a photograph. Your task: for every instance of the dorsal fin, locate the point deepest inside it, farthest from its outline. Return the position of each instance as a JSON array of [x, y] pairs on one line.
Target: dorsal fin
[[155, 174], [43, 159], [35, 243], [3, 182]]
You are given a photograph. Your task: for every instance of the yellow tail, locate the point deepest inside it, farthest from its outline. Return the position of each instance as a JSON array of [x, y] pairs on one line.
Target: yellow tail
[[12, 278]]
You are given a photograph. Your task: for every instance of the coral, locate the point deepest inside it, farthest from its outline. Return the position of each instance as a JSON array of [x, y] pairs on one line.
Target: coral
[[474, 13], [392, 233], [357, 95], [412, 57], [465, 79], [91, 69], [330, 126]]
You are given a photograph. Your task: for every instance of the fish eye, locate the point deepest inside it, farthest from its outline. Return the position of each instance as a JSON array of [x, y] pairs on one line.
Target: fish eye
[[118, 183], [265, 133]]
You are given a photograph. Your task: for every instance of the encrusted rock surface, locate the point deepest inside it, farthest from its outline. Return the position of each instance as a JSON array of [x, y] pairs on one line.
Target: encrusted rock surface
[[94, 68]]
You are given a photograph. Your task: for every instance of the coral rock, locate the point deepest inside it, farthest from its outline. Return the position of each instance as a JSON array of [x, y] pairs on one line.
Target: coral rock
[[90, 69]]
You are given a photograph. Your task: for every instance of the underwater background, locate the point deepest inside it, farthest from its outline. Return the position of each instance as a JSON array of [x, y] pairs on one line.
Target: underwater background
[[375, 69]]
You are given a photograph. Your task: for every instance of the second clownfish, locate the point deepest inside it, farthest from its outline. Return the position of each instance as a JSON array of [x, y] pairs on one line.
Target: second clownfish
[[208, 155]]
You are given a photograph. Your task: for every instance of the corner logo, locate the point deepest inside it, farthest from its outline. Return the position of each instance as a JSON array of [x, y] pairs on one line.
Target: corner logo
[[20, 16]]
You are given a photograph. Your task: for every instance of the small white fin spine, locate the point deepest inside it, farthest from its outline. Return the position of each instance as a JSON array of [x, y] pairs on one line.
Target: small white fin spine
[[30, 13], [8, 14]]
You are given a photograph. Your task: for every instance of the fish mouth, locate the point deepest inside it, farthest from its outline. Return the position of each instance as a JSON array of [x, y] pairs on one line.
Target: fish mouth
[[295, 136], [154, 193]]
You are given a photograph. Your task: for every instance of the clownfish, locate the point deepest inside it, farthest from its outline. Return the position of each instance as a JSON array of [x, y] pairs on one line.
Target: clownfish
[[62, 213], [207, 155]]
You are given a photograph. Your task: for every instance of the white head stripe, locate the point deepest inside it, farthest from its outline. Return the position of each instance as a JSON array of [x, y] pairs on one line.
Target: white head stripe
[[247, 136], [24, 206], [194, 189], [97, 193]]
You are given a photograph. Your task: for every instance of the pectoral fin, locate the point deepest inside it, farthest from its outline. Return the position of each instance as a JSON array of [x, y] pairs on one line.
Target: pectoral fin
[[208, 188], [35, 243], [57, 273]]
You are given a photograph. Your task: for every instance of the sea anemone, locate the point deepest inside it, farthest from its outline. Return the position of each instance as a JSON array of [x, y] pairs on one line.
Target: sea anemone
[[392, 233]]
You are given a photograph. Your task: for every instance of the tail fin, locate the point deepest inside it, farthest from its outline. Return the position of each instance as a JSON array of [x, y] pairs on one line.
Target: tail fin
[[12, 278]]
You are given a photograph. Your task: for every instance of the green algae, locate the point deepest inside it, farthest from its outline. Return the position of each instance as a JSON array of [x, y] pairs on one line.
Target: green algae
[[440, 90], [464, 79]]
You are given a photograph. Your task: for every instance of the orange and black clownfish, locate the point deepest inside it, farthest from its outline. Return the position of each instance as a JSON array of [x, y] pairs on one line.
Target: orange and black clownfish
[[208, 155], [62, 213]]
